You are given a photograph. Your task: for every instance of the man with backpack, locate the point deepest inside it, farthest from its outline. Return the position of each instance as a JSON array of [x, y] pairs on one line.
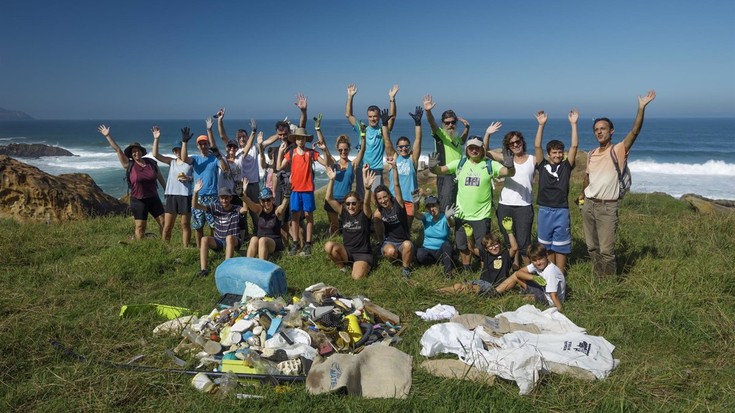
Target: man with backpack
[[605, 183], [474, 173]]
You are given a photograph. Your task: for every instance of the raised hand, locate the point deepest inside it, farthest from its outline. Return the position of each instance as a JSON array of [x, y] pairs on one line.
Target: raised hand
[[392, 92], [385, 116], [494, 127], [391, 161], [428, 102], [245, 182], [331, 173], [104, 130], [321, 145], [220, 113], [450, 211], [259, 139], [433, 160], [300, 101], [368, 177], [573, 116], [508, 158], [464, 121], [209, 123], [417, 115], [645, 100], [416, 196], [351, 90], [198, 185], [541, 117], [253, 125], [508, 224], [363, 128], [156, 132], [186, 134], [318, 121], [283, 146]]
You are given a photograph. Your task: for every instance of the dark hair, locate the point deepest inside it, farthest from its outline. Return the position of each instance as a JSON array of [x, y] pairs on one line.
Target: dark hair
[[448, 114], [282, 124], [373, 108], [536, 250], [243, 131], [555, 144], [508, 136], [489, 239], [609, 122], [402, 138], [381, 188]]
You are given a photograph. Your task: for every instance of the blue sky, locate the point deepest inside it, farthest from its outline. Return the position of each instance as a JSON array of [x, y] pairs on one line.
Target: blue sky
[[176, 60]]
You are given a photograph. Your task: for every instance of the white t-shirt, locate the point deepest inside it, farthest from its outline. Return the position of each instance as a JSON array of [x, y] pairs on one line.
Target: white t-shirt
[[517, 189], [249, 164], [555, 281]]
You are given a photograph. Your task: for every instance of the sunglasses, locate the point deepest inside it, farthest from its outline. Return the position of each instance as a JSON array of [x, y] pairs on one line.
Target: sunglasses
[[350, 203], [493, 246], [474, 148], [343, 150], [451, 122], [515, 143], [403, 146], [266, 200]]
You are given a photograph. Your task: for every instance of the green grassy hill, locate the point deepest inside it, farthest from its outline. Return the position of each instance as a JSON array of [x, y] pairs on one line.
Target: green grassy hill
[[671, 315]]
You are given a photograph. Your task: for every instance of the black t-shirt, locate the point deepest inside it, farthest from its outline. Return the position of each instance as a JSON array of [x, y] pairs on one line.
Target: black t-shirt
[[495, 268], [356, 232], [553, 184], [395, 221], [269, 225]]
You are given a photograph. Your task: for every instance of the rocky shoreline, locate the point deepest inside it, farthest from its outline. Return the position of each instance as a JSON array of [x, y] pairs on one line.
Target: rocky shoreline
[[32, 150]]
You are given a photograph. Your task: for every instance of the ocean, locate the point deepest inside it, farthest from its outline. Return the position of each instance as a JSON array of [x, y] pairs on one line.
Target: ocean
[[674, 156]]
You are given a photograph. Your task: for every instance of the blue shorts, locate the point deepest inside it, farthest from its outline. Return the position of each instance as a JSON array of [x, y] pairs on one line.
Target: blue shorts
[[554, 230], [222, 243], [538, 292], [302, 202], [485, 286], [198, 216]]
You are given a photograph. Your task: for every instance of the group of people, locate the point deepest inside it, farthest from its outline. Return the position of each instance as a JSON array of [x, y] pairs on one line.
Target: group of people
[[223, 190]]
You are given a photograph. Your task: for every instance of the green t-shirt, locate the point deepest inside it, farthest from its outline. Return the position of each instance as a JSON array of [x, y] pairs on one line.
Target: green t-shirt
[[452, 147], [474, 188]]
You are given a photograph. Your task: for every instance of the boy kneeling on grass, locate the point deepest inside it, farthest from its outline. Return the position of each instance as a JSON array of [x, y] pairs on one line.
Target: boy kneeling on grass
[[226, 231], [542, 278]]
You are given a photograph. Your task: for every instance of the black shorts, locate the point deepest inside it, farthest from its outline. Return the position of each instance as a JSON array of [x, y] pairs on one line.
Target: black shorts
[[328, 207], [368, 258], [142, 207], [178, 204]]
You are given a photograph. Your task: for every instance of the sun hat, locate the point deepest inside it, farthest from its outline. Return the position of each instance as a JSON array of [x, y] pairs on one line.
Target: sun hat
[[300, 132], [176, 144], [129, 150], [474, 141], [224, 191], [202, 138], [265, 193]]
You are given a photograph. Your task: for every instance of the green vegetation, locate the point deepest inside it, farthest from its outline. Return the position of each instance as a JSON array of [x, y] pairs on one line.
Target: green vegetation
[[671, 315]]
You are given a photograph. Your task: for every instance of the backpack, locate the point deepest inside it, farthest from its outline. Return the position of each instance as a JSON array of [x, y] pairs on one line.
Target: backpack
[[488, 164], [149, 161], [624, 177], [306, 151]]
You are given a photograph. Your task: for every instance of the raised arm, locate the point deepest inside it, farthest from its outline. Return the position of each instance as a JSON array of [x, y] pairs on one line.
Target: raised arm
[[156, 131], [416, 151], [368, 177], [513, 247], [301, 103], [572, 155], [252, 205], [195, 196], [492, 129], [105, 131], [434, 166], [329, 197], [360, 152], [392, 97], [466, 131], [261, 152], [351, 92], [396, 182], [185, 137], [210, 136], [541, 117], [508, 168], [221, 126], [429, 104], [280, 162], [251, 138], [325, 158], [386, 117], [643, 101]]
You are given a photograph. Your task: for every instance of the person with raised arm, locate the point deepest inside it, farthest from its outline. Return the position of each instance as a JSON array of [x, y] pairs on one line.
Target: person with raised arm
[[345, 170], [177, 192], [475, 193], [407, 162], [141, 175], [375, 144], [267, 238], [355, 215], [602, 188], [553, 224], [448, 147], [206, 167]]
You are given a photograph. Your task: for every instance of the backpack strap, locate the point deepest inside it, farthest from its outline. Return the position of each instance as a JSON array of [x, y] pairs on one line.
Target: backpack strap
[[615, 162]]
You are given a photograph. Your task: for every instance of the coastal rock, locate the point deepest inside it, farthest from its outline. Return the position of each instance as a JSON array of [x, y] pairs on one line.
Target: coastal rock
[[29, 194], [33, 150], [6, 114], [708, 206]]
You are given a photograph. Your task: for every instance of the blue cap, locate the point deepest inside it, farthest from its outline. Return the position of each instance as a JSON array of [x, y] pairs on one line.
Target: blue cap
[[177, 144], [265, 193], [431, 200]]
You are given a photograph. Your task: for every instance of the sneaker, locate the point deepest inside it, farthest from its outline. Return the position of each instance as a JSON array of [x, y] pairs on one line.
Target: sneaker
[[406, 273], [294, 249], [204, 273], [306, 252]]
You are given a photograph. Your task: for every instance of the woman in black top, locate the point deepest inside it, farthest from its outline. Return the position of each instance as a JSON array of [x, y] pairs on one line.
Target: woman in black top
[[391, 214], [355, 214], [268, 239]]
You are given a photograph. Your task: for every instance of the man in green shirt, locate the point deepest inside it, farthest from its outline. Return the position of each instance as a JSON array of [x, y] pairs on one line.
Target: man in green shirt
[[474, 200]]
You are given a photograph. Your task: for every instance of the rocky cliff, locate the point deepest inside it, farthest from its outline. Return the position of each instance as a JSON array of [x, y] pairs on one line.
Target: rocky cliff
[[6, 114], [29, 194], [32, 150]]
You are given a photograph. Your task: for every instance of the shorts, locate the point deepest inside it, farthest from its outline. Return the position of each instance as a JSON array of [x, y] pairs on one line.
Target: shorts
[[198, 216], [479, 229], [279, 244], [142, 207], [368, 258], [538, 292], [378, 179], [522, 223], [446, 188], [485, 287], [397, 246], [554, 229], [221, 243], [178, 204], [408, 206], [302, 202]]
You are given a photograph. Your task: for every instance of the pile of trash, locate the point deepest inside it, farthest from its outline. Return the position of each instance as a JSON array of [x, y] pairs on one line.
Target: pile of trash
[[266, 336]]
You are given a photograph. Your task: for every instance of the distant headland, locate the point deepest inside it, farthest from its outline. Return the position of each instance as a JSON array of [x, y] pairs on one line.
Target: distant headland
[[6, 114]]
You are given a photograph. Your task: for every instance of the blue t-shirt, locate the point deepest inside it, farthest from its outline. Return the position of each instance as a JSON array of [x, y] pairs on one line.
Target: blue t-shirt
[[374, 146], [206, 168], [435, 233], [343, 181], [406, 176]]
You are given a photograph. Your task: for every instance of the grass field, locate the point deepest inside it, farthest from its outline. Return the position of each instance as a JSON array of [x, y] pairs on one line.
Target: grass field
[[671, 315]]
